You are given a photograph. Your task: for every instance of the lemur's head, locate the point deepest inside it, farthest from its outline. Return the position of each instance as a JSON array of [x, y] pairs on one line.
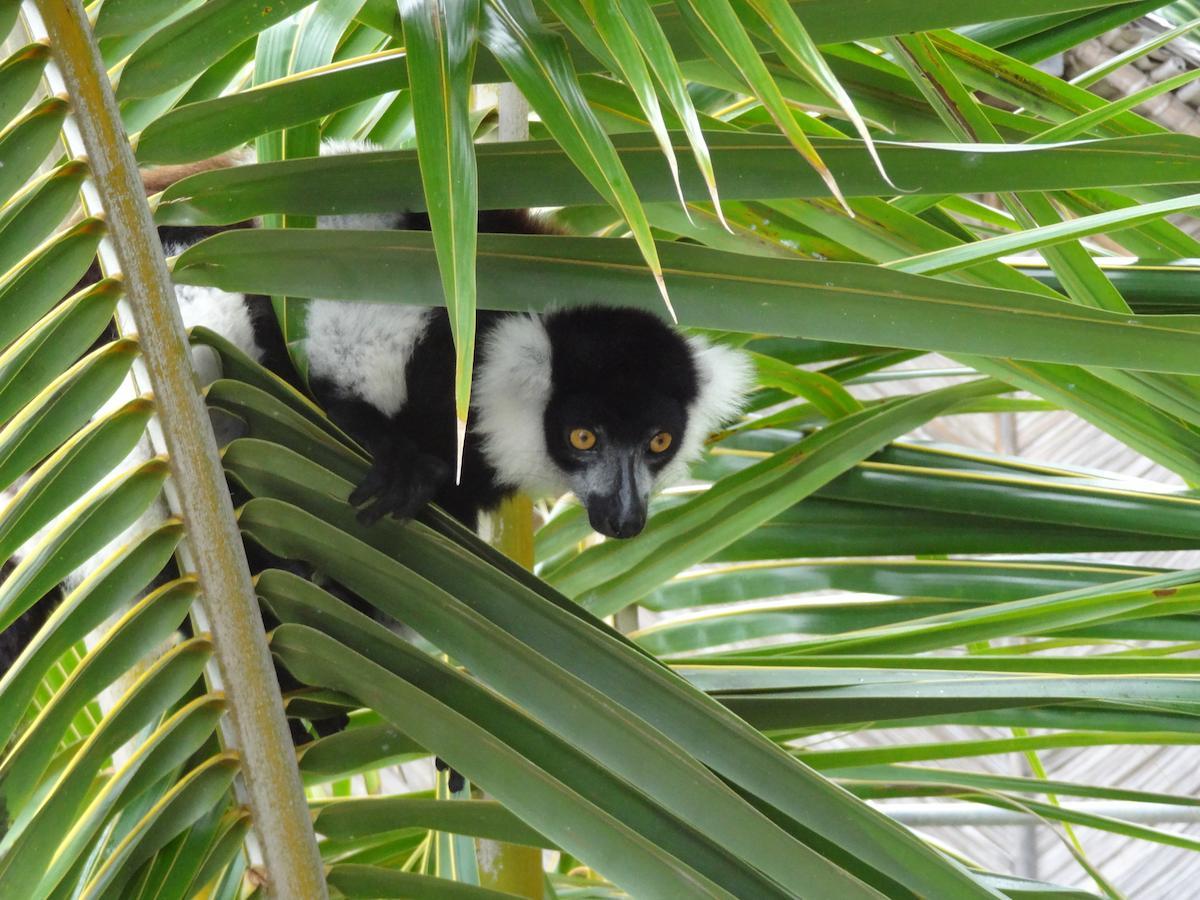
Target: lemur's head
[[609, 403]]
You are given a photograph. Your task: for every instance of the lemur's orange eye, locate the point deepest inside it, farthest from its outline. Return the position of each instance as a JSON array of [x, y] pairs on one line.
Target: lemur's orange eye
[[582, 439], [660, 442]]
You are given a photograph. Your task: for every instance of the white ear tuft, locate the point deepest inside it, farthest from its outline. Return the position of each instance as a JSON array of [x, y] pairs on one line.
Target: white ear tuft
[[725, 376], [512, 387], [516, 355]]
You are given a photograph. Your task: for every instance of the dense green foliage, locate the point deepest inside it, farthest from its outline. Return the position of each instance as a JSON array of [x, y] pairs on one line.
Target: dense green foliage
[[673, 760]]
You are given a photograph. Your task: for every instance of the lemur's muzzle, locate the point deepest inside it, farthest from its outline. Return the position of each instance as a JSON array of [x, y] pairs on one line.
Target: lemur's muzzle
[[621, 513]]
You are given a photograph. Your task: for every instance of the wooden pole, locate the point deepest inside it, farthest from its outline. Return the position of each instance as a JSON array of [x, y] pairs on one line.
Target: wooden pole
[[509, 867]]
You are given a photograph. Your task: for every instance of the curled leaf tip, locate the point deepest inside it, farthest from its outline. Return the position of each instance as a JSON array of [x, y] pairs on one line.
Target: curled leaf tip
[[887, 179], [860, 125]]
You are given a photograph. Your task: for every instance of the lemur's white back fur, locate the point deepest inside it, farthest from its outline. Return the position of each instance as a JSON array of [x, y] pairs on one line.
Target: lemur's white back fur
[[363, 349], [218, 311]]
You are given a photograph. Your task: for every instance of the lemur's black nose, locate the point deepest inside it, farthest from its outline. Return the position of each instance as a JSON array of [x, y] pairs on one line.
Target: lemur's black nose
[[615, 522], [626, 528]]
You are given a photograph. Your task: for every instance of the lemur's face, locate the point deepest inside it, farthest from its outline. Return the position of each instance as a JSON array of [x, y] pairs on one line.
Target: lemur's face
[[622, 384], [611, 455], [607, 402]]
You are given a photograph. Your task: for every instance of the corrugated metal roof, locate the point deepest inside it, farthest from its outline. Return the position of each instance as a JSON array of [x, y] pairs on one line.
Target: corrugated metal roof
[[1140, 869]]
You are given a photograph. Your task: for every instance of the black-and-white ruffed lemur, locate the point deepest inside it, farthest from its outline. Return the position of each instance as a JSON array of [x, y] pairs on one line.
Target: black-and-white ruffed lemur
[[606, 402]]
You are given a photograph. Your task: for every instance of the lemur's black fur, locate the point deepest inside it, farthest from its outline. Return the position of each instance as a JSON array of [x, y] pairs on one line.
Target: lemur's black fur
[[413, 450]]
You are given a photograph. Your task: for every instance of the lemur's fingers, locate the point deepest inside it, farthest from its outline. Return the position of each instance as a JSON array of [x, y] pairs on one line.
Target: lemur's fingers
[[381, 504], [399, 491], [400, 499], [372, 484], [369, 515]]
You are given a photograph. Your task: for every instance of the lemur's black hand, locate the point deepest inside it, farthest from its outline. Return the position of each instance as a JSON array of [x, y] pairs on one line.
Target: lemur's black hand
[[399, 485]]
